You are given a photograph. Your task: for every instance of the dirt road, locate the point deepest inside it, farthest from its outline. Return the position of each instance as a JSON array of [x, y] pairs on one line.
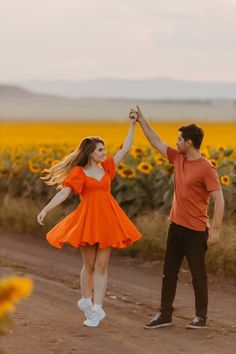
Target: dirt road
[[49, 321]]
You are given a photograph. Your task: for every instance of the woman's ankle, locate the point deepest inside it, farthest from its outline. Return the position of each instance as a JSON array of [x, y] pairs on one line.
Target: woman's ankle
[[86, 300], [97, 307]]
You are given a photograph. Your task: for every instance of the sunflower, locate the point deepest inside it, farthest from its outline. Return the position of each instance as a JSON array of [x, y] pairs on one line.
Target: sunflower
[[12, 290], [137, 152], [49, 161], [42, 150], [205, 153], [225, 180], [159, 159], [145, 167], [127, 173], [33, 167], [120, 167], [16, 165], [214, 162]]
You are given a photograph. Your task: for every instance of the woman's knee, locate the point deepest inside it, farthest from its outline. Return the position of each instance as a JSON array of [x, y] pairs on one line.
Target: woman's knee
[[101, 267], [89, 267]]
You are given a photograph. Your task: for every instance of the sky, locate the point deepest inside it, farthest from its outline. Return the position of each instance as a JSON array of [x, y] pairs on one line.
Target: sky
[[127, 39]]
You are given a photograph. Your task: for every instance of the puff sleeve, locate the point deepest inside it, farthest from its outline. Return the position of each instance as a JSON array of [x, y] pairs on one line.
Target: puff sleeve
[[75, 180], [109, 167]]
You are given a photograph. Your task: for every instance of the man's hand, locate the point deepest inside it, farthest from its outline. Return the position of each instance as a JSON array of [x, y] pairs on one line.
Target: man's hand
[[140, 113], [214, 236], [214, 232]]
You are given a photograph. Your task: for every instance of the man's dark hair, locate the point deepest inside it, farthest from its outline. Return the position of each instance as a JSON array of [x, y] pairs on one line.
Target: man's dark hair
[[194, 133]]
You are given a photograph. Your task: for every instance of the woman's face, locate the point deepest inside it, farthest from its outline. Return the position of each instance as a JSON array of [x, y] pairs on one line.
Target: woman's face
[[99, 154]]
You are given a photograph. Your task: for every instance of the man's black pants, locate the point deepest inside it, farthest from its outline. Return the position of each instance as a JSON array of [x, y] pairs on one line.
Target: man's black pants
[[182, 242]]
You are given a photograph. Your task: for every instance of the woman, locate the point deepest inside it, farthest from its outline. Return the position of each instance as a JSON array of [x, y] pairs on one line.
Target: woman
[[98, 224]]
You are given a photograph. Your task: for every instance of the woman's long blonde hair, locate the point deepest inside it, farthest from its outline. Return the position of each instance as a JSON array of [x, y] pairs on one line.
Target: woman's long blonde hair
[[81, 156]]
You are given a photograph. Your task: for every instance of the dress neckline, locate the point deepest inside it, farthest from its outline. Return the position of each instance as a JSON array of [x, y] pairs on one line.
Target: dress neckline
[[98, 180]]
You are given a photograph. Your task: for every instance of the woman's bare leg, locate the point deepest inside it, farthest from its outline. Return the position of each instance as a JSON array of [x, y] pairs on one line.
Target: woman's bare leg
[[100, 274], [87, 272]]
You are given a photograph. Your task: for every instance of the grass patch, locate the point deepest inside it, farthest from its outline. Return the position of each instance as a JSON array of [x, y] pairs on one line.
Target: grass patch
[[20, 215], [11, 264], [220, 258]]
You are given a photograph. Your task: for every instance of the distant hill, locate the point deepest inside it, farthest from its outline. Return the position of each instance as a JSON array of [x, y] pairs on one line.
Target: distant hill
[[159, 88], [20, 104]]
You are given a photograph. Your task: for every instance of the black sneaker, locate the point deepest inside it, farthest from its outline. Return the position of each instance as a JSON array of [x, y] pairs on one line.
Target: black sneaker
[[159, 321], [197, 323]]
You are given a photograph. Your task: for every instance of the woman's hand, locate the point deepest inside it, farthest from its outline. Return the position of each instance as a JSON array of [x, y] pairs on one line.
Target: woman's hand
[[133, 115], [62, 195], [41, 217]]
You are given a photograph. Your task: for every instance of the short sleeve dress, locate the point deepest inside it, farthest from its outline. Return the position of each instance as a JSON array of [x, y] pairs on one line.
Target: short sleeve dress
[[98, 219]]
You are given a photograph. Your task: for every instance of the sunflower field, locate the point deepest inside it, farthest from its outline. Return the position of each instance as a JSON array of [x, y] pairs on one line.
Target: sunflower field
[[143, 185], [144, 180]]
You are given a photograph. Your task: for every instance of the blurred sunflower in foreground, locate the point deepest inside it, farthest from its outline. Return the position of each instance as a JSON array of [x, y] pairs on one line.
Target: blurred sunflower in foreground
[[12, 290]]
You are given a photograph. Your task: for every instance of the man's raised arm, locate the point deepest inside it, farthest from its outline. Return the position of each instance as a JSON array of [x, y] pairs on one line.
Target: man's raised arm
[[150, 134]]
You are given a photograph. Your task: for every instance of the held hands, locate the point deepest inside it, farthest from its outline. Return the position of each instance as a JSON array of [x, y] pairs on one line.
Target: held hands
[[135, 114], [41, 217]]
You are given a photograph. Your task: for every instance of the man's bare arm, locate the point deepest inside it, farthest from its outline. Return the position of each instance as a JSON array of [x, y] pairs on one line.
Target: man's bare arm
[[214, 234], [150, 134]]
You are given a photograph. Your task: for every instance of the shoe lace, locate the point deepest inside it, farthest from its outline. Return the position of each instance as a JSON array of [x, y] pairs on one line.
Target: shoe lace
[[196, 319]]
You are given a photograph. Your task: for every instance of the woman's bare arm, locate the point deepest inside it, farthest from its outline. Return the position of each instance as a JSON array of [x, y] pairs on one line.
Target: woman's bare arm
[[60, 197]]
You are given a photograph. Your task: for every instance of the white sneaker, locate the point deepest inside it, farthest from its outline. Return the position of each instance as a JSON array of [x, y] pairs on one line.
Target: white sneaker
[[87, 309], [95, 320]]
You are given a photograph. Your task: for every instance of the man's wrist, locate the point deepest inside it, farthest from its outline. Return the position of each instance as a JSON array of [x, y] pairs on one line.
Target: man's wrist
[[215, 227], [140, 119]]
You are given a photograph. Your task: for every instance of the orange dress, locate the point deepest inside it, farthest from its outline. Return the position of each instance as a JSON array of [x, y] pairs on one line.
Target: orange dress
[[98, 217]]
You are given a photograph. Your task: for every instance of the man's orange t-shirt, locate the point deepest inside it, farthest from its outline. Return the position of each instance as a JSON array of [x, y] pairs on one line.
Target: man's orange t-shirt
[[193, 182]]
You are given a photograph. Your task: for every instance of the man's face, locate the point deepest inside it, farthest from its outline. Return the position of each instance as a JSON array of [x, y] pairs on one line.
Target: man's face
[[183, 145]]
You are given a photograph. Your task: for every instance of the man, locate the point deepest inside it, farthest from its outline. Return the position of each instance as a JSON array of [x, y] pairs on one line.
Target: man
[[195, 180]]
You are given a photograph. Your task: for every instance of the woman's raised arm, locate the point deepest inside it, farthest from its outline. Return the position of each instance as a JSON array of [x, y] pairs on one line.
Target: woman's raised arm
[[120, 155]]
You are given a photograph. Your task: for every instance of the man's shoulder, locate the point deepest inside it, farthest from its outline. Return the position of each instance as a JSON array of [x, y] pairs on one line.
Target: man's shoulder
[[206, 168], [172, 153], [207, 164]]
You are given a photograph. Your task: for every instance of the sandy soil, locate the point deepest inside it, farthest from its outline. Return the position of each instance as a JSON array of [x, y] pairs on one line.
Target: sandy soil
[[49, 321]]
